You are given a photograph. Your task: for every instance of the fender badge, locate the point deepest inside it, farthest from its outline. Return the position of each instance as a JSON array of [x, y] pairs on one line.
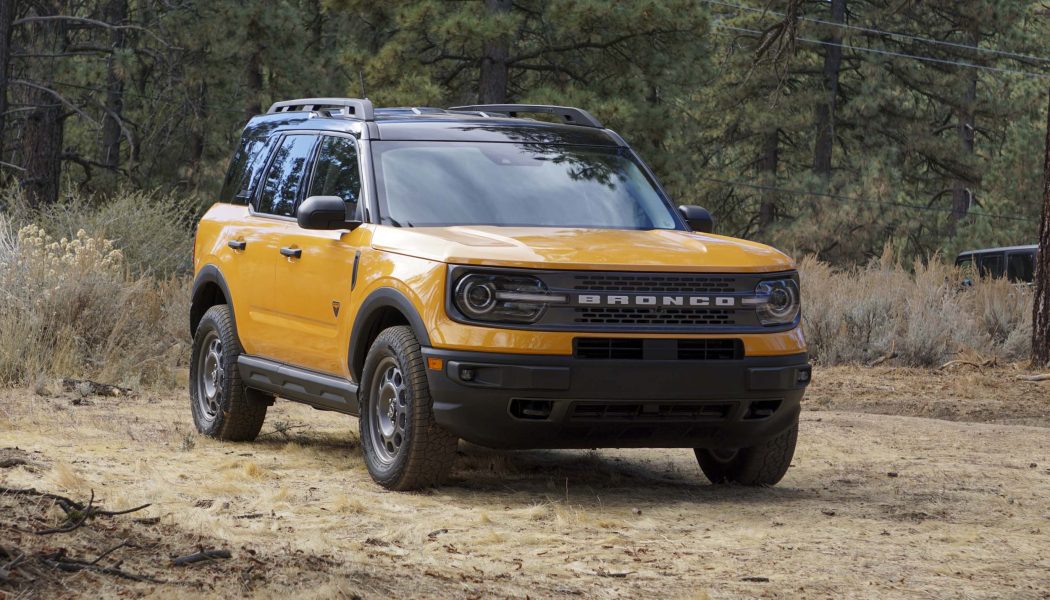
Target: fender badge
[[335, 307]]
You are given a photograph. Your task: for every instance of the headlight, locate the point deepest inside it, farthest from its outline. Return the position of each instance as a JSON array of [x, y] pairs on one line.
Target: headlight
[[776, 301], [503, 298]]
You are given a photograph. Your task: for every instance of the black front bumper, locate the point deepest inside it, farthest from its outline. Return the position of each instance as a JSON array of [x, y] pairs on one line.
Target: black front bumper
[[526, 401]]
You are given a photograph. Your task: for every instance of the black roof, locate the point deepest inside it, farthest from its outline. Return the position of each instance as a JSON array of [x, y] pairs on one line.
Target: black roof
[[435, 124], [1025, 248]]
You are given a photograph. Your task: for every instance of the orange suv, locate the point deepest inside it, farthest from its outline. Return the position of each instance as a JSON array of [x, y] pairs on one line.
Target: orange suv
[[467, 273]]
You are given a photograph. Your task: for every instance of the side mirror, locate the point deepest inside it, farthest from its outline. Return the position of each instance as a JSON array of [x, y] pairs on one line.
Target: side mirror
[[698, 218], [324, 212]]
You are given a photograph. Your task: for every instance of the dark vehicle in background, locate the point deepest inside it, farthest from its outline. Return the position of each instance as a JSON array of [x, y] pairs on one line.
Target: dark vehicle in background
[[1017, 263]]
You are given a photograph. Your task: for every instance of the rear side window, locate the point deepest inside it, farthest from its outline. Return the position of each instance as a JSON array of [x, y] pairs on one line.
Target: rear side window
[[284, 178], [1020, 267], [337, 173], [246, 168]]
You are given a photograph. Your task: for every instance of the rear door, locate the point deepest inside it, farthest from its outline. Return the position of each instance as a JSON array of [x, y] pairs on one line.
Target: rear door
[[271, 216], [314, 283]]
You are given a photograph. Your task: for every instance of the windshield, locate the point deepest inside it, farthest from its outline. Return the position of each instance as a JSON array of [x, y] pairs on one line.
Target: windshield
[[423, 184]]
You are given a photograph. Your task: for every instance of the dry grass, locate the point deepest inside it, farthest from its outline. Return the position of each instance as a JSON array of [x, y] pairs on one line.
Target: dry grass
[[71, 307], [921, 315], [874, 506]]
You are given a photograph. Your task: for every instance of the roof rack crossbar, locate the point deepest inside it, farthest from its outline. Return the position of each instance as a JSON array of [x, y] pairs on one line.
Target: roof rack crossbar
[[572, 116], [356, 107]]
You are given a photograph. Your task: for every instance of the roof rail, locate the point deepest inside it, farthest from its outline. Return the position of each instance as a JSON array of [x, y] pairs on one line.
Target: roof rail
[[572, 116], [360, 109]]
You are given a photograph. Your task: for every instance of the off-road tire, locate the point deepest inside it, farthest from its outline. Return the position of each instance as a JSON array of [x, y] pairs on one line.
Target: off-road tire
[[395, 401], [764, 464], [236, 413]]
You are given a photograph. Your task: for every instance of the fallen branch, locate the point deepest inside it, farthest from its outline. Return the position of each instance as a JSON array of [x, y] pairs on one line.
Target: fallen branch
[[72, 565], [66, 504], [952, 363], [110, 551], [882, 359], [94, 388], [77, 513], [200, 556], [70, 526], [1040, 377], [282, 430]]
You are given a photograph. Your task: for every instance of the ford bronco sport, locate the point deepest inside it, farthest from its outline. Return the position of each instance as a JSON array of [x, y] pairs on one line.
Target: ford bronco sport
[[467, 273]]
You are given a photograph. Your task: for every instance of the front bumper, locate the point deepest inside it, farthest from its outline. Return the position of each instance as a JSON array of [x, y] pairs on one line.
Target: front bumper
[[530, 401]]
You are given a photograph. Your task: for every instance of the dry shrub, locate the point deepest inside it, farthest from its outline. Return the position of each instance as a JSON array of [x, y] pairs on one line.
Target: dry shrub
[[70, 307], [152, 229], [923, 315]]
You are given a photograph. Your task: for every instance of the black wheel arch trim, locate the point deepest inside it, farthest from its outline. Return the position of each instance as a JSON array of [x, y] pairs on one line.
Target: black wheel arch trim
[[209, 274], [367, 319]]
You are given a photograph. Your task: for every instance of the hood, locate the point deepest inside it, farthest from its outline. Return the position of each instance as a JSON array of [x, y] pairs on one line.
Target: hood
[[583, 249]]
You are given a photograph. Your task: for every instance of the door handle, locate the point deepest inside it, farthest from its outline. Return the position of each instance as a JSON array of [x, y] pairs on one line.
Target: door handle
[[292, 252], [237, 244]]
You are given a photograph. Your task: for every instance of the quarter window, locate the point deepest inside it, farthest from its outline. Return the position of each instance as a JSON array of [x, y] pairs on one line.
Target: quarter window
[[246, 168], [1020, 267], [337, 173], [280, 189]]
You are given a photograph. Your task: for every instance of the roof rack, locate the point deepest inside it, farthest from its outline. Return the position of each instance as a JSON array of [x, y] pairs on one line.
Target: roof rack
[[360, 109], [572, 116]]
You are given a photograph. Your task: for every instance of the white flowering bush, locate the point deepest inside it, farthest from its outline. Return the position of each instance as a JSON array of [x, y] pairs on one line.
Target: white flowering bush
[[70, 307]]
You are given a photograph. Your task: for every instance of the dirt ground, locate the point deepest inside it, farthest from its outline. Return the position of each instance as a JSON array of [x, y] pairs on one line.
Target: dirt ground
[[905, 484]]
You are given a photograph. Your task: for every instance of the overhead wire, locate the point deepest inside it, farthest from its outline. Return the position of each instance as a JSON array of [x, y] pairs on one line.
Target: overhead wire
[[906, 36], [827, 195], [899, 54]]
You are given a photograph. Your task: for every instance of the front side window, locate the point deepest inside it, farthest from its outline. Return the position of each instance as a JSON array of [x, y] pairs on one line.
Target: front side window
[[515, 184], [337, 173], [280, 189]]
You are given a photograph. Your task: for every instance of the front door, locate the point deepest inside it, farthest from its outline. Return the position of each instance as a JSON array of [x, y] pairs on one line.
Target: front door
[[313, 282]]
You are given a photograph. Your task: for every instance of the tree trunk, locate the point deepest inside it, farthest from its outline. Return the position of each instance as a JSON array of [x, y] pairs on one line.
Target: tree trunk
[[112, 132], [7, 16], [43, 133], [825, 111], [492, 82], [253, 104], [1041, 305], [962, 189], [42, 150], [767, 166]]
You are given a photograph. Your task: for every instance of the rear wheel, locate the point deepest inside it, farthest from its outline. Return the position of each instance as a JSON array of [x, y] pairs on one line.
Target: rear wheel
[[222, 407], [404, 447], [764, 464]]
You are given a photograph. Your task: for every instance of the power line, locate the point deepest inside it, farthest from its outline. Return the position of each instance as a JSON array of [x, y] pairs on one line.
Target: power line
[[829, 196], [906, 36], [902, 54], [171, 101]]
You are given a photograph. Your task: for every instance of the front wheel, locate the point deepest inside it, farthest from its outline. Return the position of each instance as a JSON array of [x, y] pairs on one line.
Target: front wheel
[[222, 407], [404, 448], [764, 464]]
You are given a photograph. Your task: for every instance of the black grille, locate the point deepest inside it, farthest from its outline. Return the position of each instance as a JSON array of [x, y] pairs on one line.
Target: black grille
[[696, 284], [609, 348], [710, 349], [650, 411], [658, 349], [651, 316]]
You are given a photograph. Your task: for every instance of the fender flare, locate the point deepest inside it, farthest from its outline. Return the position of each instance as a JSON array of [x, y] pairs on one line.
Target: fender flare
[[209, 274], [367, 319]]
